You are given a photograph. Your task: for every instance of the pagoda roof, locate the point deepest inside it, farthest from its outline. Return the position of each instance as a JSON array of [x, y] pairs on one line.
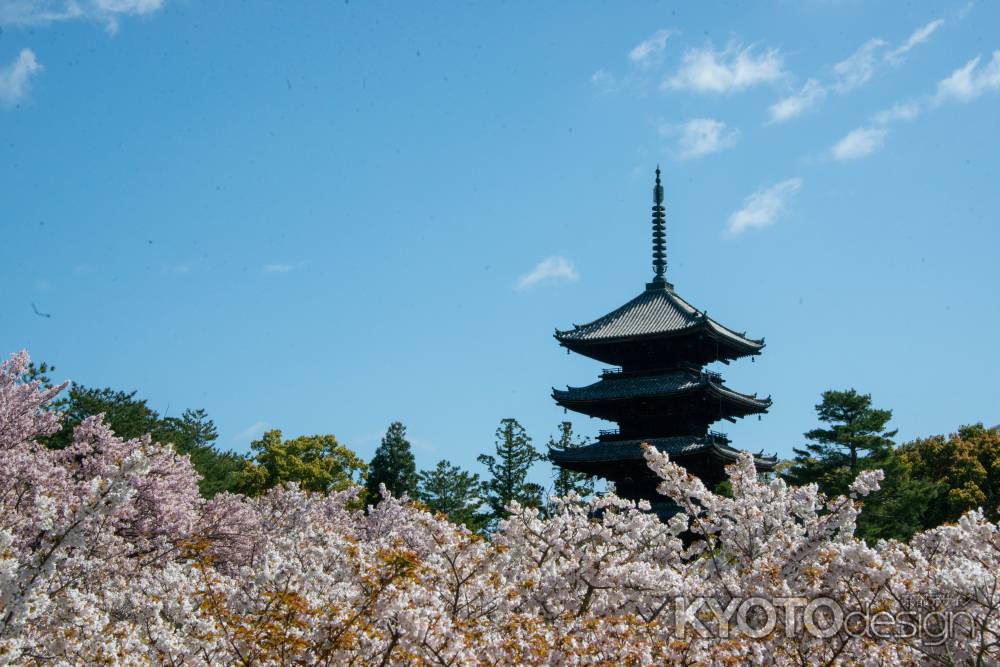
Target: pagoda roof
[[621, 387], [658, 311], [623, 451]]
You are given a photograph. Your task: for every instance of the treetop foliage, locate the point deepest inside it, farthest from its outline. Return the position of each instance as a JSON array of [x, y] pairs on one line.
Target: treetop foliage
[[567, 481], [449, 490], [856, 430], [509, 470], [392, 466], [128, 416], [316, 462]]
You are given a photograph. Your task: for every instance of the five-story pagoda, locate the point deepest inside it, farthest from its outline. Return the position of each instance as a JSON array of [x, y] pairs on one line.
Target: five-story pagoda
[[658, 391]]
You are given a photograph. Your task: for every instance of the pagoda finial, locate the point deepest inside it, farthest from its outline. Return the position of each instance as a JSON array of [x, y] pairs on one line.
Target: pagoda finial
[[659, 234]]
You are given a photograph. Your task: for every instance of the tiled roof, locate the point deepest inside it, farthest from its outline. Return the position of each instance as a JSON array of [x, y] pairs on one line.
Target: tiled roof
[[631, 450], [658, 310], [673, 382]]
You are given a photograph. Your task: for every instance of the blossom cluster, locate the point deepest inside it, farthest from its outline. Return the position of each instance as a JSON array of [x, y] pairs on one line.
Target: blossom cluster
[[108, 555]]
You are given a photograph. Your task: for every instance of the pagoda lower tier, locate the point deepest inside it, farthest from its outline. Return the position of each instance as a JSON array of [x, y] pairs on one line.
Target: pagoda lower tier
[[622, 463]]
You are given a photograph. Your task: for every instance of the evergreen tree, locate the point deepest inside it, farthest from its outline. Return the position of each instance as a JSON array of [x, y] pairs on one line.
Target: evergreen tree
[[509, 470], [567, 481], [193, 433], [392, 465], [837, 454], [902, 504], [316, 462], [454, 492]]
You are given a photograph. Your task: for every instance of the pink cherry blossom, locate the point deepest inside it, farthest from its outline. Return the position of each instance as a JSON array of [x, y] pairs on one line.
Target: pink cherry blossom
[[109, 556]]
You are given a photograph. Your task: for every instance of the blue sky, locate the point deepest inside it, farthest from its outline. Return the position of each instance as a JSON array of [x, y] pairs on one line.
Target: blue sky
[[322, 217]]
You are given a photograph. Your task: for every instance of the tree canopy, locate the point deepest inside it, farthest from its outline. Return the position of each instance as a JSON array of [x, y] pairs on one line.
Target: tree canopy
[[509, 470], [567, 481], [834, 457], [193, 433], [966, 467], [451, 491], [393, 465], [316, 462]]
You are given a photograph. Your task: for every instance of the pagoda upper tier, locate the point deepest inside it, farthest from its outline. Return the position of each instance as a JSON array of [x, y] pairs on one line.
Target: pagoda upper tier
[[658, 329]]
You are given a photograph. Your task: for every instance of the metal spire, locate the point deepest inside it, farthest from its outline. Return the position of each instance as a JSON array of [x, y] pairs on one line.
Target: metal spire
[[659, 235]]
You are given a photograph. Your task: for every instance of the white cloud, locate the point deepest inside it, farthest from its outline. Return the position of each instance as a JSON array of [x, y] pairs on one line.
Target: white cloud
[[250, 432], [858, 68], [701, 136], [859, 143], [16, 77], [793, 105], [554, 268], [919, 36], [898, 111], [851, 72], [278, 268], [44, 12], [650, 51], [762, 208], [733, 69], [604, 80], [970, 81]]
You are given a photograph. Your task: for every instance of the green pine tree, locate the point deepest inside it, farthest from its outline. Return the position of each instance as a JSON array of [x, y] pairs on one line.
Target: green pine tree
[[193, 433], [509, 470], [454, 492], [837, 454], [392, 465], [567, 481]]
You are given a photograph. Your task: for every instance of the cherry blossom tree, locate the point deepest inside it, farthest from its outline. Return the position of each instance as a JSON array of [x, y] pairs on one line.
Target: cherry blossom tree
[[108, 555]]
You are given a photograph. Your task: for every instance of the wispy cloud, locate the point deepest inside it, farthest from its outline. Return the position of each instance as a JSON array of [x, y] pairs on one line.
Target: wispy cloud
[[44, 12], [794, 105], [732, 69], [918, 36], [250, 432], [858, 68], [604, 80], [15, 78], [763, 208], [284, 267], [649, 51], [551, 269], [859, 143], [701, 136], [970, 81], [851, 73], [898, 111]]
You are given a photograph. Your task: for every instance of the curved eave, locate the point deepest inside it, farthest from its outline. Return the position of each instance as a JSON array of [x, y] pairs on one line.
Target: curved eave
[[741, 346], [598, 454], [566, 398], [747, 399]]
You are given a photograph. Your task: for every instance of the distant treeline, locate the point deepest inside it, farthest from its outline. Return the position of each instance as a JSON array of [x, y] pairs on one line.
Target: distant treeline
[[928, 481]]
